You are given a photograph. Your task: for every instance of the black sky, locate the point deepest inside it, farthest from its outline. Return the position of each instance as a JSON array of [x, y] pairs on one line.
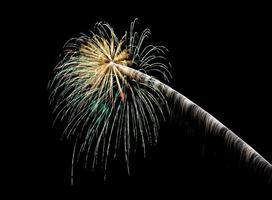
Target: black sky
[[219, 55]]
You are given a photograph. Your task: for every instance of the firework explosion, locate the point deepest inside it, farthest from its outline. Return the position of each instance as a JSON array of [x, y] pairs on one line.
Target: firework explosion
[[106, 110], [102, 90]]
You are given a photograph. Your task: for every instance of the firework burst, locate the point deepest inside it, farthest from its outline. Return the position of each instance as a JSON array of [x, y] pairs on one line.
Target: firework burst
[[106, 110], [102, 89]]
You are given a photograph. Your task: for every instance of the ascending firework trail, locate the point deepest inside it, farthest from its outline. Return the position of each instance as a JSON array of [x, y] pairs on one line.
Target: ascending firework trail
[[102, 89]]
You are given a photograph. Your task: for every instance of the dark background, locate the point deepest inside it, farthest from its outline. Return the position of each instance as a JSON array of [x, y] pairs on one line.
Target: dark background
[[220, 59]]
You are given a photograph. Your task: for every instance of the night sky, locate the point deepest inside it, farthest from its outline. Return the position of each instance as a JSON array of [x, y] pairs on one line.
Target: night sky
[[219, 56]]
